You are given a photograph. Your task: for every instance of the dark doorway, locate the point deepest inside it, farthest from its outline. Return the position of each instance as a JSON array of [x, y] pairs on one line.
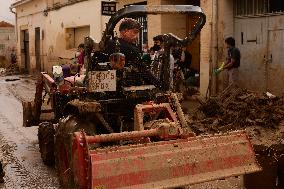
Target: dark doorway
[[25, 55], [276, 6], [37, 49]]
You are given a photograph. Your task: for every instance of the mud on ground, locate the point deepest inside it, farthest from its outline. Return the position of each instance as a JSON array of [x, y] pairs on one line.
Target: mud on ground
[[260, 115], [19, 146]]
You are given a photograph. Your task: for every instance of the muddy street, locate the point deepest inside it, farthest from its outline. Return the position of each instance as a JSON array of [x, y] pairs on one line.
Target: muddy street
[[19, 149], [19, 146]]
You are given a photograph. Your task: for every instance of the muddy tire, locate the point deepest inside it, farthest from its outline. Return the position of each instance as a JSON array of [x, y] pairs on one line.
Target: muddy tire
[[63, 148], [46, 143]]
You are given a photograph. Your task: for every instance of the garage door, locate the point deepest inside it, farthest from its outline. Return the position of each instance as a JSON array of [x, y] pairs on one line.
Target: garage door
[[259, 33], [275, 62], [251, 39]]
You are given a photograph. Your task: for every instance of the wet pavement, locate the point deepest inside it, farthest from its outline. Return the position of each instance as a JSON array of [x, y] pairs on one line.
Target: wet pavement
[[19, 150]]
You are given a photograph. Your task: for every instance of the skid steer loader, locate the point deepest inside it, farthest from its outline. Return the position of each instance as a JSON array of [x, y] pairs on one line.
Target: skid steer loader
[[110, 135]]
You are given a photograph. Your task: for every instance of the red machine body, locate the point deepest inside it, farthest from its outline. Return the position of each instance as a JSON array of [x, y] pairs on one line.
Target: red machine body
[[163, 164]]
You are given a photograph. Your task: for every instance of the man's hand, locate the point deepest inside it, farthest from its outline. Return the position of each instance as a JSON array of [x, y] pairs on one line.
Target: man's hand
[[229, 64]]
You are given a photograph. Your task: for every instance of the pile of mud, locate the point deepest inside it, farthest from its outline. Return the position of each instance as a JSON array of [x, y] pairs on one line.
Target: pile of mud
[[12, 69], [238, 109]]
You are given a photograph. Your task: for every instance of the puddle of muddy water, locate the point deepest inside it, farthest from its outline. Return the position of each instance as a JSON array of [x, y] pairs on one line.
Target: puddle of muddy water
[[271, 160]]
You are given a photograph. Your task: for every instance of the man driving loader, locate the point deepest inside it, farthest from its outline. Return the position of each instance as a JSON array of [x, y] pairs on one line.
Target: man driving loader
[[129, 30], [126, 44]]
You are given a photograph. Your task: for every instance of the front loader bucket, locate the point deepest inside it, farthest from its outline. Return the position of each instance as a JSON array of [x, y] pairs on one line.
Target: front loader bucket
[[169, 164]]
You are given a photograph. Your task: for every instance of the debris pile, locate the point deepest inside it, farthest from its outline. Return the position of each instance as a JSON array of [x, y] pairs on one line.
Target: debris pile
[[238, 109], [12, 69], [2, 71]]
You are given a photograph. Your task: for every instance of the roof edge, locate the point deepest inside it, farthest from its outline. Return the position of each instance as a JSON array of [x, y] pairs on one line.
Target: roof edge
[[14, 5], [5, 24]]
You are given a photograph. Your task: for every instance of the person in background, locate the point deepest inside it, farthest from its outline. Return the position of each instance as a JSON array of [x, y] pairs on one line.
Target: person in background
[[145, 48], [232, 63], [13, 56], [126, 44], [81, 55], [158, 42], [78, 64], [146, 56], [156, 53], [157, 47], [185, 58]]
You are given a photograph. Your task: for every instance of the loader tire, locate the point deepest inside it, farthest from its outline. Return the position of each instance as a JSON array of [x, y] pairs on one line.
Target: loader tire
[[63, 148], [46, 143]]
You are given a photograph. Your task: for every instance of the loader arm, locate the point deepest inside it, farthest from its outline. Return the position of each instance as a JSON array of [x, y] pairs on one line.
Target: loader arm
[[170, 40], [155, 9]]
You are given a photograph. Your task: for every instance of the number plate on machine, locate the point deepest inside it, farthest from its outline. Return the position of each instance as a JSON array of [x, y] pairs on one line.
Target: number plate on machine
[[100, 81]]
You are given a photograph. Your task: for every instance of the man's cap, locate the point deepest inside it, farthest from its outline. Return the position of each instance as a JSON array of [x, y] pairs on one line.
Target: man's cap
[[129, 23]]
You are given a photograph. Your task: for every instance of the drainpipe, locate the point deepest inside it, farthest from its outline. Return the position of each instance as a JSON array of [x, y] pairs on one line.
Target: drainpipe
[[16, 30], [214, 47], [16, 24]]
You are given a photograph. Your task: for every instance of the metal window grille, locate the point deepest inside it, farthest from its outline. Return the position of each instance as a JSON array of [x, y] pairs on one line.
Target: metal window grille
[[258, 7], [143, 37]]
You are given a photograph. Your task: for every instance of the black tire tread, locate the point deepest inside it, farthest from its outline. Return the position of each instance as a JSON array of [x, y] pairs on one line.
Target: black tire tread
[[63, 135], [46, 143]]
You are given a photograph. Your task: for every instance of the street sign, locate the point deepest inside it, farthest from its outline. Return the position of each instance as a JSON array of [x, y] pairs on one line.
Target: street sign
[[108, 8]]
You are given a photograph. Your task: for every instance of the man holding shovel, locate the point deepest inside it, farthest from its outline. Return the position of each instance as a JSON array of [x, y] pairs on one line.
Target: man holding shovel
[[232, 62]]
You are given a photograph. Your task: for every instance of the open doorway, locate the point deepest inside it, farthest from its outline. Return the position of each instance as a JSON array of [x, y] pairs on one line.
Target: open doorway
[[25, 55], [76, 36], [37, 49]]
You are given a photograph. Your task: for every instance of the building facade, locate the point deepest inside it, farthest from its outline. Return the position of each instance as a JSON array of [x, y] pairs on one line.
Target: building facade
[[48, 28], [259, 32], [257, 26], [7, 42]]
